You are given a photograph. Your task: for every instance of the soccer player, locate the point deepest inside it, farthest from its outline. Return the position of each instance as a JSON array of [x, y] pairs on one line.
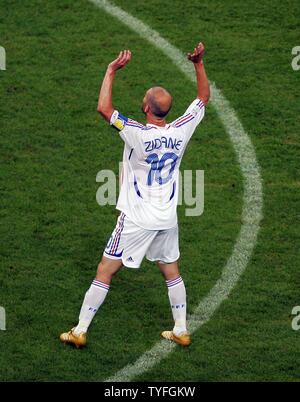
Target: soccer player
[[147, 224]]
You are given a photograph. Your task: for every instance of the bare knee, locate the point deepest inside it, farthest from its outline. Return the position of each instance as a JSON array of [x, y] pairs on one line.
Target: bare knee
[[107, 269], [169, 271], [104, 274]]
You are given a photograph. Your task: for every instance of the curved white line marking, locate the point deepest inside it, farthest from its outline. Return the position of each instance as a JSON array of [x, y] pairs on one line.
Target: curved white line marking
[[252, 207]]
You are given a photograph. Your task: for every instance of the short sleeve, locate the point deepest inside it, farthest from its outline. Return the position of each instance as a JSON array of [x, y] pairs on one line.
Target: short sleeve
[[129, 130], [191, 118]]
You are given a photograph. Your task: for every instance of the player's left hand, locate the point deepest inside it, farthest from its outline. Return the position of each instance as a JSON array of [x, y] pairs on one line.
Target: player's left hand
[[121, 61]]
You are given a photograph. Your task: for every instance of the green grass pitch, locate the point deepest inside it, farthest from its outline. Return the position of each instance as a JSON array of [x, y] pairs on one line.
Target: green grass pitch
[[53, 232]]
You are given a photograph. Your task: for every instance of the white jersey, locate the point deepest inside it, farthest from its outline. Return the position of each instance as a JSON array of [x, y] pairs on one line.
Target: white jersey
[[151, 160]]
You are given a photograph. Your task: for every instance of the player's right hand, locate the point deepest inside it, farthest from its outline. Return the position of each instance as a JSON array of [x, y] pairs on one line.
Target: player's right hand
[[198, 53], [121, 61]]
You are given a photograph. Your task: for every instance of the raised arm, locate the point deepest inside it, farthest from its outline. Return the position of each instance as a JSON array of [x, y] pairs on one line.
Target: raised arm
[[202, 81], [105, 104]]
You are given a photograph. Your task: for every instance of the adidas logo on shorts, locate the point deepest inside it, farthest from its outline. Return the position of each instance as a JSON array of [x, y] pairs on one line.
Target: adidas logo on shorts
[[130, 259]]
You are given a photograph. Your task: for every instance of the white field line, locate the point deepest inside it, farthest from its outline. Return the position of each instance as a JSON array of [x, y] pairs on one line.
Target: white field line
[[252, 199]]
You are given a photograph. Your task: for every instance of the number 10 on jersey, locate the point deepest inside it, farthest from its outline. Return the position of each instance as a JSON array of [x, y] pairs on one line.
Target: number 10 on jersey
[[168, 159]]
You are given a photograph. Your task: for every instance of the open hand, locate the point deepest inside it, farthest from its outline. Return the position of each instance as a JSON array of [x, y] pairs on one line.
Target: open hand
[[197, 54], [121, 61]]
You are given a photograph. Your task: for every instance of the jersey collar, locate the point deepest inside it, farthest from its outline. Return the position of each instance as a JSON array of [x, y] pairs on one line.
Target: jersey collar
[[154, 125]]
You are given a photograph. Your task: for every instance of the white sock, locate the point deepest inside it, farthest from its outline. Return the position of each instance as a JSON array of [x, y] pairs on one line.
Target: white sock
[[177, 297], [93, 299]]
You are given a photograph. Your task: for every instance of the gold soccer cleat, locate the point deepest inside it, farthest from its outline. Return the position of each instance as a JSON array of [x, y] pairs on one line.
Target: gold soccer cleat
[[70, 338], [184, 339]]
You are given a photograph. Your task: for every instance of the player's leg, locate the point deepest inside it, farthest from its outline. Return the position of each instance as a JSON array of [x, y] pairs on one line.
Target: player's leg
[[93, 299], [177, 297], [127, 246], [170, 271], [97, 292], [165, 250]]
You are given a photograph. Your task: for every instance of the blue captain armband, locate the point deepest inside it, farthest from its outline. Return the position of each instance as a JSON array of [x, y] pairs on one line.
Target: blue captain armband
[[118, 121]]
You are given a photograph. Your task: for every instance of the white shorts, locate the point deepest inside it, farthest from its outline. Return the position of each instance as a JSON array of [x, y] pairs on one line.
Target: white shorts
[[130, 243]]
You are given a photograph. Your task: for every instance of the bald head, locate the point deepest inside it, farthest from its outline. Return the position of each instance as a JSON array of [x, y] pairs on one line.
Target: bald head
[[158, 101]]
